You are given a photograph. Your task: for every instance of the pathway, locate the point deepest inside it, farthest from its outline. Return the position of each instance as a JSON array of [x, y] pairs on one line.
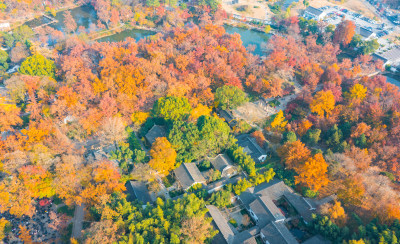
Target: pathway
[[77, 221]]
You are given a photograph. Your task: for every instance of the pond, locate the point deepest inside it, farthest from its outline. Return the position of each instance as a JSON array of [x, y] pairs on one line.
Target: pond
[[250, 37], [83, 15], [136, 34]]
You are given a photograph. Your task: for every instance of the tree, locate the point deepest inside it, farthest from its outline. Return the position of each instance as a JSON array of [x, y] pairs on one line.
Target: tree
[[344, 32], [105, 231], [220, 198], [196, 230], [172, 108], [334, 138], [312, 137], [312, 173], [289, 136], [293, 153], [3, 60], [69, 22], [24, 235], [163, 156], [18, 53], [124, 155], [22, 33], [241, 186], [229, 97], [323, 103], [337, 213], [4, 226], [267, 29], [279, 122], [38, 65], [358, 91], [369, 47], [16, 88], [214, 135], [259, 136], [152, 3], [112, 130]]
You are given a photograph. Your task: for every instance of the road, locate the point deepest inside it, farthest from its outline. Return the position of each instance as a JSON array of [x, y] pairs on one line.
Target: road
[[77, 221]]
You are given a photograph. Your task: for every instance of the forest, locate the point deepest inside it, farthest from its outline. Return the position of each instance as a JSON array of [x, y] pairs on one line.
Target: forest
[[74, 121]]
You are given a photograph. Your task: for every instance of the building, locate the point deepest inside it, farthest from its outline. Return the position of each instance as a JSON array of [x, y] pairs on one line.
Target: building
[[221, 223], [251, 147], [314, 13], [188, 175], [390, 57], [155, 132], [138, 191], [365, 34], [224, 164], [228, 117], [277, 233]]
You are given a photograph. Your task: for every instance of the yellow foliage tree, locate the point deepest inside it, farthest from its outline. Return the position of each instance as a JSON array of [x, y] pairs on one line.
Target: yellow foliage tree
[[356, 242], [313, 173], [3, 225], [138, 118], [323, 103], [358, 91], [199, 111], [279, 121], [163, 156]]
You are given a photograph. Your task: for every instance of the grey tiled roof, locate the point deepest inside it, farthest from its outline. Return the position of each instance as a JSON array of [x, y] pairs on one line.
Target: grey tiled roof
[[392, 55], [277, 233], [188, 174], [250, 146], [138, 190], [317, 239], [221, 223], [221, 162], [364, 32], [155, 132], [314, 11]]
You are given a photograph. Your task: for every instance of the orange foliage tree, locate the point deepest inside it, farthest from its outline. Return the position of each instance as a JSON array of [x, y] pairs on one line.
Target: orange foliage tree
[[293, 153], [163, 156], [313, 173]]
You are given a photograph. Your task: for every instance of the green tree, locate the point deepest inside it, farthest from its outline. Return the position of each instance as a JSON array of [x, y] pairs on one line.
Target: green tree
[[8, 39], [3, 60], [214, 135], [361, 141], [172, 108], [124, 157], [38, 65], [244, 160], [229, 97], [220, 198], [289, 136], [312, 137], [185, 137], [152, 3], [139, 156], [22, 33], [334, 138], [369, 47]]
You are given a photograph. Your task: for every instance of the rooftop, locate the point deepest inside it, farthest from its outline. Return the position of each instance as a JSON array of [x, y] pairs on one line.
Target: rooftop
[[221, 223], [250, 146], [138, 190], [277, 233], [365, 33], [188, 174], [221, 162], [155, 132], [313, 11], [392, 55]]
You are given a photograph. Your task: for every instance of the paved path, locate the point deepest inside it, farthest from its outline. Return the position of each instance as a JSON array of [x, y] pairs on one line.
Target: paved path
[[78, 221]]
